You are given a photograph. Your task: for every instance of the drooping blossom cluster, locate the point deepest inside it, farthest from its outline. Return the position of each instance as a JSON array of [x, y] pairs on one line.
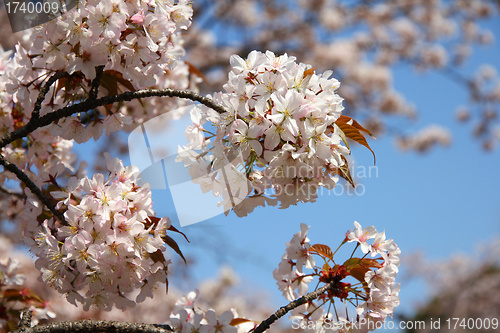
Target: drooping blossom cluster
[[372, 289], [186, 317], [108, 251], [15, 297], [366, 44], [279, 133]]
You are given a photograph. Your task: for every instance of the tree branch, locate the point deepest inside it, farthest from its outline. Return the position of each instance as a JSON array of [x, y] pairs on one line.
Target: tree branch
[[33, 188], [96, 326], [125, 327], [43, 92], [263, 326], [90, 104], [25, 319]]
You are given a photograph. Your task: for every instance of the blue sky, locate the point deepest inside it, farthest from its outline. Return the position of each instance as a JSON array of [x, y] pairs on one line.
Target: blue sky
[[441, 203]]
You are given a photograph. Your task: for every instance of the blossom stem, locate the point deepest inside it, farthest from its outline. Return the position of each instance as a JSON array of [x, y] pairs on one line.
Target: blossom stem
[[33, 188], [357, 245], [338, 248]]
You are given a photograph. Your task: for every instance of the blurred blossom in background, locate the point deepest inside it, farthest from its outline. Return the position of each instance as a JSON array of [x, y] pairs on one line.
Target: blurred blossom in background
[[423, 77]]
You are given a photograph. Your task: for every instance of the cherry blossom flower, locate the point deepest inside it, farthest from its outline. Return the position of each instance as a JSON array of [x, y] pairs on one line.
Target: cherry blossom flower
[[362, 236], [280, 117], [16, 297], [112, 245], [188, 318], [218, 324], [375, 295]]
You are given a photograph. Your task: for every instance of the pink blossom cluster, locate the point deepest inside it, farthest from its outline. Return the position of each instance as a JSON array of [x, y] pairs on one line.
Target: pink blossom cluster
[[280, 121], [290, 275], [137, 42], [109, 252], [131, 37], [15, 297], [364, 43], [139, 45], [421, 141], [376, 297], [384, 292], [186, 317], [463, 285]]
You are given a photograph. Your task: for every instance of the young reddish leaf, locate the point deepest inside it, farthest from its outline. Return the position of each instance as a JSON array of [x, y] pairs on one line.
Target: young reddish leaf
[[111, 78], [170, 242], [126, 83], [109, 82], [345, 173], [358, 267], [365, 263], [157, 256], [342, 136], [346, 119], [353, 133], [326, 267], [12, 294], [174, 229], [153, 220], [308, 72], [238, 321], [322, 250], [193, 70]]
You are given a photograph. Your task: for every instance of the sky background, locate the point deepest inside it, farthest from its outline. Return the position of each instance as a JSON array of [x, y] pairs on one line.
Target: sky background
[[440, 203]]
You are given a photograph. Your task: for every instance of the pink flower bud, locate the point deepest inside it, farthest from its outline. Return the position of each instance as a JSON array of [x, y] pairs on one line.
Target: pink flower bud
[[138, 18]]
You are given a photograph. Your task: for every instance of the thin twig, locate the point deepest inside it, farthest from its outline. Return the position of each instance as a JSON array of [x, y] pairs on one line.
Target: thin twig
[[12, 193], [292, 305], [96, 326], [43, 92], [96, 82], [91, 104], [33, 188]]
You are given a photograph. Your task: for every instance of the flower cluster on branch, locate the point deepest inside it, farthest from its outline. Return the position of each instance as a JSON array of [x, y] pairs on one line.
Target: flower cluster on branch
[[110, 246], [284, 123], [107, 66], [372, 290]]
